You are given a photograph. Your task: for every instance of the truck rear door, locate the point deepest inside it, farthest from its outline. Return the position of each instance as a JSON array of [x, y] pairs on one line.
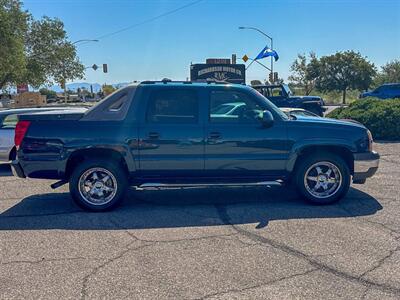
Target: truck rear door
[[171, 134]]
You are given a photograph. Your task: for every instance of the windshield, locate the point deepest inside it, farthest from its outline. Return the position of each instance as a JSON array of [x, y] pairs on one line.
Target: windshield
[[287, 89]]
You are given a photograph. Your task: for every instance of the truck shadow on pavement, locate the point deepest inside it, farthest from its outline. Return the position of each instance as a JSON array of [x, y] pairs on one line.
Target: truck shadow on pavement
[[181, 208]]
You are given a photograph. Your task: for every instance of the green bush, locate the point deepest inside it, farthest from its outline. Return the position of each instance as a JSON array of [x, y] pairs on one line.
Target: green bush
[[382, 117]]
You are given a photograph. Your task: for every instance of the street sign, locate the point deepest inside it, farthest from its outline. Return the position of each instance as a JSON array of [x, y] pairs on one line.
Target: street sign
[[95, 67], [105, 68], [245, 58]]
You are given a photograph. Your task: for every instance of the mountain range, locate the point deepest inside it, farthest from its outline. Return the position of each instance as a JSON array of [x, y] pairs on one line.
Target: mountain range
[[85, 85]]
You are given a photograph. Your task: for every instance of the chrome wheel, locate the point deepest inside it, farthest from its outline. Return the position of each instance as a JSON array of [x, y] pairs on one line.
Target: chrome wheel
[[97, 186], [323, 179]]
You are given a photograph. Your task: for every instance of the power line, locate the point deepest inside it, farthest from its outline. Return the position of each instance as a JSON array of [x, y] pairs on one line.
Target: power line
[[149, 20]]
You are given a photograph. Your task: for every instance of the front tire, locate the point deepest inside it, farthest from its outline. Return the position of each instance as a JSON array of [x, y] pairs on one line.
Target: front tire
[[98, 185], [322, 179]]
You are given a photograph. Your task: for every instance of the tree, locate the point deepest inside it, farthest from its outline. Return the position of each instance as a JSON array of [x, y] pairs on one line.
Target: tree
[[256, 82], [302, 75], [107, 89], [343, 71], [48, 93], [13, 27], [36, 51], [390, 73]]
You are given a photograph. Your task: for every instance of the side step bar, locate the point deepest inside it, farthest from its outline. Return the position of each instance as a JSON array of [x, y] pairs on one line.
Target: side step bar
[[194, 185]]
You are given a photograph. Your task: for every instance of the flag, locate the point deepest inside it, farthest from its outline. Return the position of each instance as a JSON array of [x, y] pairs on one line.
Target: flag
[[266, 52]]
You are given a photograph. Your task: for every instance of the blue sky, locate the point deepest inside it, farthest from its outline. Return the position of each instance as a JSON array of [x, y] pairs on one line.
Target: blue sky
[[167, 46]]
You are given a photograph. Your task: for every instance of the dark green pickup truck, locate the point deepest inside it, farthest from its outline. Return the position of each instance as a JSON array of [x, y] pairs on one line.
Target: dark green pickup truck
[[183, 133]]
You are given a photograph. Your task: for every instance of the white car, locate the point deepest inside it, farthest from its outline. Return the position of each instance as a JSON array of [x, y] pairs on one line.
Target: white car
[[298, 112]]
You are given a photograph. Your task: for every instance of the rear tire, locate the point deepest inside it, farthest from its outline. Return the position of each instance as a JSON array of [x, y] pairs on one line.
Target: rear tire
[[98, 185], [322, 179]]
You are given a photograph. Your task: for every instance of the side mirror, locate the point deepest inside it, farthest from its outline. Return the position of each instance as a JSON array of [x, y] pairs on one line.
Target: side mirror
[[267, 119]]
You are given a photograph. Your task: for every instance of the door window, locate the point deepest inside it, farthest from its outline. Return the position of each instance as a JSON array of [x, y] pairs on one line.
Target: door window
[[173, 106], [233, 107]]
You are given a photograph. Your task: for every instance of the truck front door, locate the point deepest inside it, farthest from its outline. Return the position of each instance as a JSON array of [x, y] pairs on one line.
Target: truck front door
[[238, 145]]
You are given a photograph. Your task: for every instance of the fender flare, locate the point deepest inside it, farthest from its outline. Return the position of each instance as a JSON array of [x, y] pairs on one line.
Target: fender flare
[[301, 145]]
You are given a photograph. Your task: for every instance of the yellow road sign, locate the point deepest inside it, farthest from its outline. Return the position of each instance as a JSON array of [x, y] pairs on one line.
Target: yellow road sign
[[245, 58]]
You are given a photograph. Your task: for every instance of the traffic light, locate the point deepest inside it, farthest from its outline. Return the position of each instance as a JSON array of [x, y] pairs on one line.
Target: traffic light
[[271, 77], [105, 68], [275, 76]]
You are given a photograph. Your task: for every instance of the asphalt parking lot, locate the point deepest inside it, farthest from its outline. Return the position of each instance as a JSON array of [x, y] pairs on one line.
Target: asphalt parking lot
[[210, 243]]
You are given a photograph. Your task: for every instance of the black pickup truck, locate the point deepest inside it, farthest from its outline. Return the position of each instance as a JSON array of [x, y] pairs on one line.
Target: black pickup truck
[[183, 133], [282, 96]]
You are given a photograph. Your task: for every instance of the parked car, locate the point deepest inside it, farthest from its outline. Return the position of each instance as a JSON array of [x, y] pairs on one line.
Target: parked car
[[165, 133], [298, 112], [385, 91], [282, 96], [8, 120]]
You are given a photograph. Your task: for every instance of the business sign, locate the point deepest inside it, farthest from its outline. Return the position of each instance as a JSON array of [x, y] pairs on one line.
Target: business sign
[[218, 72], [225, 61], [22, 88]]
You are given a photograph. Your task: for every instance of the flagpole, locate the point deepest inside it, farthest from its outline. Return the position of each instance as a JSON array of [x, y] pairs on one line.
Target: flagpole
[[272, 45]]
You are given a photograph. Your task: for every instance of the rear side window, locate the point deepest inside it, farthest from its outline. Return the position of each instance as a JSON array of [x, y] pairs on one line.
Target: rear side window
[[173, 107], [10, 121]]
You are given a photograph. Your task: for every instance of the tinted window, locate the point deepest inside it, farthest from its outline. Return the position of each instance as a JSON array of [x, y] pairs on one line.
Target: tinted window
[[173, 106], [243, 109]]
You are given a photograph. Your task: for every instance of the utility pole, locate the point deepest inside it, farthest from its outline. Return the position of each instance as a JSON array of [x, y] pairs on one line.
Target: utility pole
[[65, 79]]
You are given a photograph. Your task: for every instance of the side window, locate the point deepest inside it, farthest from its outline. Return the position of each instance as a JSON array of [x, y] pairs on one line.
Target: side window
[[10, 121], [233, 107], [173, 106]]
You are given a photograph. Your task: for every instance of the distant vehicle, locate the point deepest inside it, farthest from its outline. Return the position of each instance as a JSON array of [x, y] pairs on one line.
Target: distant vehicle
[[8, 120], [298, 112], [156, 134], [282, 96], [385, 91], [228, 110]]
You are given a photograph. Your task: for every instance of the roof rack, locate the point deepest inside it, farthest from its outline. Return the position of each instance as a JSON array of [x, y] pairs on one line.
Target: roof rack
[[166, 81]]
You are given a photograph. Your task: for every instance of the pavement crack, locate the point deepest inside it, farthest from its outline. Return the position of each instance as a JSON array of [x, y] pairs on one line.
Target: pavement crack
[[380, 262], [134, 237], [258, 285], [86, 279], [44, 260], [221, 209]]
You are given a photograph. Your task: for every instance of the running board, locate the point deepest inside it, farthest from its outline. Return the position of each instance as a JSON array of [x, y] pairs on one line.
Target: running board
[[176, 185]]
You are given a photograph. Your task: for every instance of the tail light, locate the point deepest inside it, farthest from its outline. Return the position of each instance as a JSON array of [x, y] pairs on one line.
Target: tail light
[[20, 131]]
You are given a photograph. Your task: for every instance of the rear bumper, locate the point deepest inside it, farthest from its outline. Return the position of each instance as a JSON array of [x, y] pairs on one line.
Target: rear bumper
[[365, 166], [17, 169]]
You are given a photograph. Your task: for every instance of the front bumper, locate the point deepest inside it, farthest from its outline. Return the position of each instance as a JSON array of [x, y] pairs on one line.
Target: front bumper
[[365, 166], [17, 169]]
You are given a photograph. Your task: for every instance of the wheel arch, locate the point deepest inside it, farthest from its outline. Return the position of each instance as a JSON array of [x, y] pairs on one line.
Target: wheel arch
[[341, 150], [81, 155]]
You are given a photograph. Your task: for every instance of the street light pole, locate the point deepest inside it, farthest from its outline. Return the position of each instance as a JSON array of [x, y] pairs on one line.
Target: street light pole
[[272, 44], [65, 80]]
